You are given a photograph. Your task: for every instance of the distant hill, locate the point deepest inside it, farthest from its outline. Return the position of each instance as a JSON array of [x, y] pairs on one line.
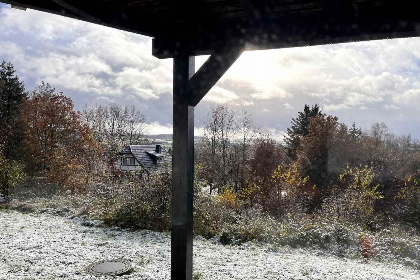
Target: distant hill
[[166, 136], [159, 136]]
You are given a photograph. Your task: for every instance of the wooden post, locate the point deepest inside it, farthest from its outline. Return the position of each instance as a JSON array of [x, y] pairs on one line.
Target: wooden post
[[182, 171]]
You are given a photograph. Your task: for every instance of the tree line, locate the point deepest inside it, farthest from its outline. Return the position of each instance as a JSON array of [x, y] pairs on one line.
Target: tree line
[[323, 165], [42, 135]]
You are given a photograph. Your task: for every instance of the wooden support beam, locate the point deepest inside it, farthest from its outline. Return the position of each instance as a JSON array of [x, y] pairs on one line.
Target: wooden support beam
[[188, 90], [211, 71], [182, 171]]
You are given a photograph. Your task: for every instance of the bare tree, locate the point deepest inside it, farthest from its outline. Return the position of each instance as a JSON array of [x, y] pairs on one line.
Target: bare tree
[[134, 123], [114, 126], [214, 151], [225, 149], [246, 135]]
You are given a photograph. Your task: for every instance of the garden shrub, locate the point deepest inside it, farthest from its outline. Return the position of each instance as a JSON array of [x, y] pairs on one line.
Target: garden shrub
[[398, 244], [407, 210], [11, 174], [252, 225], [230, 198], [322, 233], [134, 203], [211, 214], [354, 197]]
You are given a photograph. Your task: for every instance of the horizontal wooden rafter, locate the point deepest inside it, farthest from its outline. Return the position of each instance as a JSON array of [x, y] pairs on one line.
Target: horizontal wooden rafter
[[77, 11], [272, 35], [255, 24]]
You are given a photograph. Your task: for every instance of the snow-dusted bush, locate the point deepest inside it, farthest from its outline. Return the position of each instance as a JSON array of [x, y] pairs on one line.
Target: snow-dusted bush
[[354, 198], [211, 215], [11, 174], [407, 210], [320, 232], [135, 203], [397, 244]]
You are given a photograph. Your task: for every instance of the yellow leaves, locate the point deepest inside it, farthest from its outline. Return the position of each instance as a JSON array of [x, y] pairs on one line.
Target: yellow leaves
[[288, 179], [230, 198], [360, 193], [411, 186], [361, 178]]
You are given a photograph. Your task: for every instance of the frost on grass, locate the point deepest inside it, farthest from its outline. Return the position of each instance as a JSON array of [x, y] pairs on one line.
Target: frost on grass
[[43, 246]]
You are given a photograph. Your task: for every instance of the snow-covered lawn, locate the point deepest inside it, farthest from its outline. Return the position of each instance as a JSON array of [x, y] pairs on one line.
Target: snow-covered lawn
[[43, 246]]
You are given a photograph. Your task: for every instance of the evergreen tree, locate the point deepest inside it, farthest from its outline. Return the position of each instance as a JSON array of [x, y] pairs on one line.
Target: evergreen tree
[[355, 132], [12, 94], [299, 128]]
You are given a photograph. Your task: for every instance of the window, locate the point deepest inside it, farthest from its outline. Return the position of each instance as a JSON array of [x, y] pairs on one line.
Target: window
[[128, 161]]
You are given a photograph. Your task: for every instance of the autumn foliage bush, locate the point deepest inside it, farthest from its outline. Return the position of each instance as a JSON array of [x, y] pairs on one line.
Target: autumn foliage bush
[[133, 202], [407, 208], [11, 174], [354, 197], [282, 192], [213, 214]]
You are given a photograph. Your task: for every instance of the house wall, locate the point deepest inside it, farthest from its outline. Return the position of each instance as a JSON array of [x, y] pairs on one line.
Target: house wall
[[119, 165]]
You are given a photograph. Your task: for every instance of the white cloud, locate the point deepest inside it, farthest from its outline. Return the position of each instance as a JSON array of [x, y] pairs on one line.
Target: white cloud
[[107, 64], [391, 107], [408, 98], [288, 106], [336, 107], [247, 103], [220, 95], [76, 55], [143, 83], [276, 134], [10, 49], [198, 131], [158, 128], [42, 26]]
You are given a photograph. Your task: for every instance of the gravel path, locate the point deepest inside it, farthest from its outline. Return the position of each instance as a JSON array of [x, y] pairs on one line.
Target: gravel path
[[43, 246]]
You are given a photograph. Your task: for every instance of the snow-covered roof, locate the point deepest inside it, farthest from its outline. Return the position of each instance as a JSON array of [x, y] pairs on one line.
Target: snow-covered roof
[[148, 155]]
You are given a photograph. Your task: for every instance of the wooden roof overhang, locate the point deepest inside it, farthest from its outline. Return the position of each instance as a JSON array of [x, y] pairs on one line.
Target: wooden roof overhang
[[200, 27], [223, 29]]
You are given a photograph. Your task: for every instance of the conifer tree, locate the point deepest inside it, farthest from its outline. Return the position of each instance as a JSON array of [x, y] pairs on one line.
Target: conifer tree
[[12, 94], [300, 128], [355, 132]]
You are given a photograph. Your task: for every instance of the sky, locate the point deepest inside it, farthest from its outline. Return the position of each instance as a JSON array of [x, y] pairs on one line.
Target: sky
[[363, 82]]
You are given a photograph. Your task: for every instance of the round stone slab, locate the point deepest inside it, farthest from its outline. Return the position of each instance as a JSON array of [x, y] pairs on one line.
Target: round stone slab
[[111, 268]]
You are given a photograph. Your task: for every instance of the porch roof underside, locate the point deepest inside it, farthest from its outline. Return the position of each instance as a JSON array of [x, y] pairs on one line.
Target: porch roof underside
[[197, 27]]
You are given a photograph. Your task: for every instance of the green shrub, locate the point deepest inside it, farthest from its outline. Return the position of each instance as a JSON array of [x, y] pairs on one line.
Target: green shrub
[[257, 225], [211, 215], [321, 233], [134, 203], [407, 209], [197, 275], [354, 198], [11, 174]]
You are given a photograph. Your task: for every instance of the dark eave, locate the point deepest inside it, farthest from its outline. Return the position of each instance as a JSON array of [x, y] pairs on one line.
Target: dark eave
[[198, 27]]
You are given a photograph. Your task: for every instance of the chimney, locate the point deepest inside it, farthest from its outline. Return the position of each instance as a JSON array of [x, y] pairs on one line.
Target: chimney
[[158, 149]]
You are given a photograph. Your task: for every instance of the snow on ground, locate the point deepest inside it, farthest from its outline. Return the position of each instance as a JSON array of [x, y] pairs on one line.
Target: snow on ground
[[43, 246]]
